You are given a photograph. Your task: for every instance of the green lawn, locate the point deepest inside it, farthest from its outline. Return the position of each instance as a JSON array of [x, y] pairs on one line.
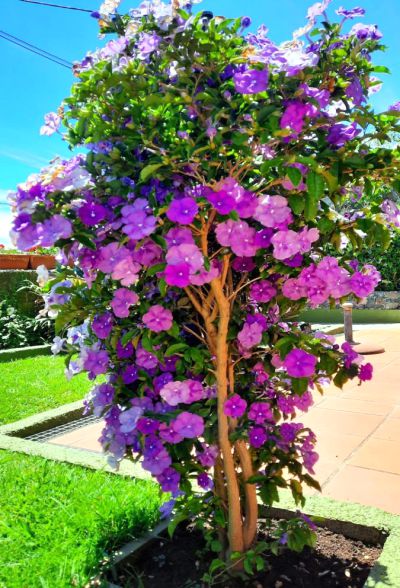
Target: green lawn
[[34, 384], [57, 521]]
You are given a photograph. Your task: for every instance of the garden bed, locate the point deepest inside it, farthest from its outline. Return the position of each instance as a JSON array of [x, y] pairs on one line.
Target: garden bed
[[359, 544], [337, 561]]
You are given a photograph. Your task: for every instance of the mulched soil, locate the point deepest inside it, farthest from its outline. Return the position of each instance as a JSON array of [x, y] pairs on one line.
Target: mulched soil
[[336, 562]]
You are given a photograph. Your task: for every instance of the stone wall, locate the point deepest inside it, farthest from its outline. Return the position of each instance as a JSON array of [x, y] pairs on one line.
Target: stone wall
[[381, 301]]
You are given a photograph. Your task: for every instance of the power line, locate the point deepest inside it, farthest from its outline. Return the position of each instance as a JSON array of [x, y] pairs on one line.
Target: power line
[[56, 5], [36, 50]]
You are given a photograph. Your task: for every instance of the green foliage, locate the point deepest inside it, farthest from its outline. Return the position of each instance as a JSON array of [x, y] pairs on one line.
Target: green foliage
[[58, 522], [386, 261], [19, 330]]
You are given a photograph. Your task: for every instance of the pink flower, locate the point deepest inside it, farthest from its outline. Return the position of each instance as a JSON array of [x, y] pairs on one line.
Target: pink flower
[[186, 253], [175, 392], [250, 335], [286, 244], [235, 406], [178, 275], [273, 211], [366, 372], [262, 291], [300, 364], [158, 318]]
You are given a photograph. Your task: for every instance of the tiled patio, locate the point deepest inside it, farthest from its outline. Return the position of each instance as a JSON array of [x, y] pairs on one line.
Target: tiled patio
[[358, 430]]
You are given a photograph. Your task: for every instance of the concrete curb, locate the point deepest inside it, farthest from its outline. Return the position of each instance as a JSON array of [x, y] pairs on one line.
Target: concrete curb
[[21, 352]]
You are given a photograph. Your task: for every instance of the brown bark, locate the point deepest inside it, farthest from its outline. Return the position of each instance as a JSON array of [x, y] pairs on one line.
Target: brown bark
[[250, 507], [235, 523]]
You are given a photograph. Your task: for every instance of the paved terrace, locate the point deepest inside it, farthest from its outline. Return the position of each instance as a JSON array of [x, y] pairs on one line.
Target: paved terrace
[[358, 430]]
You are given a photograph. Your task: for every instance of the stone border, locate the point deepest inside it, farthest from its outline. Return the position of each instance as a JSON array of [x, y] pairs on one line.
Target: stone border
[[21, 352], [12, 438], [353, 520]]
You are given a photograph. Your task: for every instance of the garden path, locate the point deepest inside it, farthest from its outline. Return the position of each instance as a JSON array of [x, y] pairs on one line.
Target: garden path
[[358, 430]]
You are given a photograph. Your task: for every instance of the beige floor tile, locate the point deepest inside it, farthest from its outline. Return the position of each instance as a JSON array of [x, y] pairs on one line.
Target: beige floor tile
[[390, 430], [341, 422], [335, 448], [356, 405], [378, 454], [369, 487]]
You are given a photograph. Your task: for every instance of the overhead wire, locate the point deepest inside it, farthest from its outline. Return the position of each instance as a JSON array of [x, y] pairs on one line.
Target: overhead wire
[[56, 5], [34, 49]]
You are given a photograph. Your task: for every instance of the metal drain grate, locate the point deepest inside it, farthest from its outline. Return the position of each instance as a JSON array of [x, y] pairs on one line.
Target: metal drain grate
[[63, 429]]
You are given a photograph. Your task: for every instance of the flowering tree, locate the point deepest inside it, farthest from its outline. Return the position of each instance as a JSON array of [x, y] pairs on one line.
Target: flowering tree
[[198, 221]]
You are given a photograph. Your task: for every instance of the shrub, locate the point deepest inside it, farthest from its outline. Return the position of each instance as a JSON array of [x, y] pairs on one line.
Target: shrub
[[216, 169], [19, 330]]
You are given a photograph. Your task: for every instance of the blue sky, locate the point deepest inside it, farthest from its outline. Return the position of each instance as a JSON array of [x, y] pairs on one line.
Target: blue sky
[[32, 86]]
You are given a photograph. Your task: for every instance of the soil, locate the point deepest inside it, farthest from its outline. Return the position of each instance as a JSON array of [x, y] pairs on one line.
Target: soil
[[336, 562]]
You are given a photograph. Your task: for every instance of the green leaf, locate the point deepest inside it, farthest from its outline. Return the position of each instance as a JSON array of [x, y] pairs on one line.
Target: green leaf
[[155, 269], [149, 170], [297, 204], [176, 348], [179, 518], [295, 175], [315, 191], [85, 240]]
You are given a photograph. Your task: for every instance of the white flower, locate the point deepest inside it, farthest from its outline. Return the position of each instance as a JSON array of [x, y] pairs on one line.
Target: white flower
[[42, 275], [57, 346]]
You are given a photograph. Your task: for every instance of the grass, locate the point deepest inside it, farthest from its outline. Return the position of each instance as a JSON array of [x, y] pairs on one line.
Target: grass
[[35, 384], [57, 521]]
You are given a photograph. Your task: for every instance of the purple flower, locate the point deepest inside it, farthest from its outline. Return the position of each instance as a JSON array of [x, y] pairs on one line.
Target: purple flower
[[366, 372], [147, 44], [205, 481], [300, 364], [355, 91], [56, 227], [145, 359], [260, 412], [129, 418], [156, 464], [158, 318], [124, 351], [243, 264], [294, 115], [92, 213], [188, 425], [147, 426], [364, 32], [208, 455], [262, 291], [222, 201], [179, 236], [102, 325], [352, 13], [322, 97], [168, 434], [245, 22], [143, 225], [257, 437], [182, 210], [52, 122], [166, 508], [251, 81], [169, 480], [96, 362], [122, 300], [130, 374], [235, 406]]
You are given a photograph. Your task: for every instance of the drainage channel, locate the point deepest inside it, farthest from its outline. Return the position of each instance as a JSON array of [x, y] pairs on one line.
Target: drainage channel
[[44, 436]]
